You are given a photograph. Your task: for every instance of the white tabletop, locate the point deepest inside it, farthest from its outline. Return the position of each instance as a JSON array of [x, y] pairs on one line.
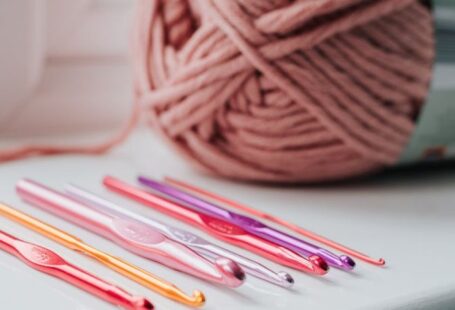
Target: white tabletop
[[406, 217]]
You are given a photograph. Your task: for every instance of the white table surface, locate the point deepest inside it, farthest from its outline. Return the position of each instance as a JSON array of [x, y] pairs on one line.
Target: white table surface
[[406, 217]]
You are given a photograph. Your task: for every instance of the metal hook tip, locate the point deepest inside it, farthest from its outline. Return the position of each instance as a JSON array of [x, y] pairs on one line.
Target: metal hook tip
[[287, 278], [198, 298], [232, 272], [347, 261], [319, 263], [143, 304]]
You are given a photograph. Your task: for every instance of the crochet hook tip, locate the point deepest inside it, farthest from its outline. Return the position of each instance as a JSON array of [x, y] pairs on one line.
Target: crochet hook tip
[[143, 304], [319, 263], [234, 275], [348, 262], [198, 298], [286, 278], [373, 261]]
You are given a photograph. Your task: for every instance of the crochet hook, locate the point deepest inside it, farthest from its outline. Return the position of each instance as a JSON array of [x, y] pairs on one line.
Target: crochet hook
[[228, 202], [132, 235], [128, 270], [191, 240], [49, 262], [220, 229], [251, 225]]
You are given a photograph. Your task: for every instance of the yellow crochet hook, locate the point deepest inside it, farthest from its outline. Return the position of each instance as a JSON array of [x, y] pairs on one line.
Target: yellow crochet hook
[[128, 270]]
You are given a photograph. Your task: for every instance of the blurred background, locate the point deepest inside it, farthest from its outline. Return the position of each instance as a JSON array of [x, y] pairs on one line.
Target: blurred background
[[62, 65], [66, 62]]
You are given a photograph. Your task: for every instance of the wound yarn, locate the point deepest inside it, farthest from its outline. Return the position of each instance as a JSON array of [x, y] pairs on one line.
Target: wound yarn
[[284, 91], [278, 90]]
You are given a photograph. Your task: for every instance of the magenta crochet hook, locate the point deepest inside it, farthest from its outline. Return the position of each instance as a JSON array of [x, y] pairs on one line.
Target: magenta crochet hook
[[198, 244], [132, 235], [251, 225]]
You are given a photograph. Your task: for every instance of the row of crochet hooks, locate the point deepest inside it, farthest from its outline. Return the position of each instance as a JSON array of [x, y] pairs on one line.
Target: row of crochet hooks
[[170, 246]]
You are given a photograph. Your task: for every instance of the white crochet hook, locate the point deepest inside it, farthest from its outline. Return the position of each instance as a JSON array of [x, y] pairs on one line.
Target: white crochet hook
[[196, 243]]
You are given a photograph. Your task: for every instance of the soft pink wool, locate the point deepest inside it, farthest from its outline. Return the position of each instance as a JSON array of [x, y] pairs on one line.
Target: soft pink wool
[[279, 90], [285, 91]]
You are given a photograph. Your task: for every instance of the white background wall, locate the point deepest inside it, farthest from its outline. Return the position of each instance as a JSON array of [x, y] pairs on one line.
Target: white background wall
[[85, 83]]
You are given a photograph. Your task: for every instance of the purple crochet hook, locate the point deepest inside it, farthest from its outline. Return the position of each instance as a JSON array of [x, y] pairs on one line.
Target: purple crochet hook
[[251, 225]]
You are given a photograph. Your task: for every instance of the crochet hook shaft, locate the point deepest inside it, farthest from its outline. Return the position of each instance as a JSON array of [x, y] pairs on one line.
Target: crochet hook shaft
[[132, 235], [128, 270], [221, 229], [228, 202], [249, 224], [47, 261], [191, 240]]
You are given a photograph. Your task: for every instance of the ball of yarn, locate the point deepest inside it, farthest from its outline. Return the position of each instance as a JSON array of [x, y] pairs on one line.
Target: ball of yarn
[[281, 90]]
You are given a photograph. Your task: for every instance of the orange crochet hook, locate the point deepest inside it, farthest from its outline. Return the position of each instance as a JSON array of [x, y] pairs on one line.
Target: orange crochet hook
[[128, 270], [230, 203]]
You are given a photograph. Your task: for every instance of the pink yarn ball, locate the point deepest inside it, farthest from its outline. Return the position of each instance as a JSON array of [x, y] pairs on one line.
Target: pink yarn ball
[[281, 90]]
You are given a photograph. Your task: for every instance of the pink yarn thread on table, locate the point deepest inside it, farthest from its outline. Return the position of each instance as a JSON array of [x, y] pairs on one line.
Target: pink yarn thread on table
[[280, 90]]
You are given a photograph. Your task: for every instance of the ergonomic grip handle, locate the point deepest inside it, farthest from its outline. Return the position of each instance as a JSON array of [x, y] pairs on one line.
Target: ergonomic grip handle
[[149, 243]]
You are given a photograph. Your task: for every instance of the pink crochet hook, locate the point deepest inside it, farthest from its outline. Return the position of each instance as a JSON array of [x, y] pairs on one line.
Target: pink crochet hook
[[132, 235], [47, 261]]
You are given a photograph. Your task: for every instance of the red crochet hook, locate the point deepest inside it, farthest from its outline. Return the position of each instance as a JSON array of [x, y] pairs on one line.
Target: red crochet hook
[[230, 203], [220, 229], [47, 261]]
